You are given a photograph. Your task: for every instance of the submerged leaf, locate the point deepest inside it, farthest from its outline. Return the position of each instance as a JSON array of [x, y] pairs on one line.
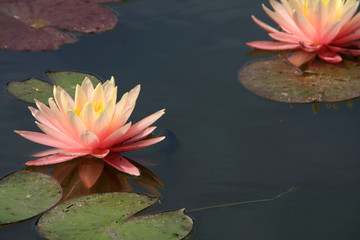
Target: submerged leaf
[[278, 80], [35, 25], [35, 88], [110, 216], [26, 194]]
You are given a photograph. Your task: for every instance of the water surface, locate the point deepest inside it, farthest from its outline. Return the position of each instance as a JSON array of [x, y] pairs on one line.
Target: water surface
[[226, 144]]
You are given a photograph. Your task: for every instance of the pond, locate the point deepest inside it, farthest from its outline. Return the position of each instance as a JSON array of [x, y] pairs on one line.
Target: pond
[[224, 144]]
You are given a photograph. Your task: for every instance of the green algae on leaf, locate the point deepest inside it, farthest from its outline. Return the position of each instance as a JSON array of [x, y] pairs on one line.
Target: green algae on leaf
[[278, 80], [26, 194], [35, 88], [110, 216], [35, 25]]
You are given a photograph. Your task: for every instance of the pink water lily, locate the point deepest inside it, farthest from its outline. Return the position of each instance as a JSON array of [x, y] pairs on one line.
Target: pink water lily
[[92, 124], [310, 28]]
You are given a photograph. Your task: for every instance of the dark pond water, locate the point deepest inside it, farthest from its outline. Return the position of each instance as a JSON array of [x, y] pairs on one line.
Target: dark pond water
[[225, 144]]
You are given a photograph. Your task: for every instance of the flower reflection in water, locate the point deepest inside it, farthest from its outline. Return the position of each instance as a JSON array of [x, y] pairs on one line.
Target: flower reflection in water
[[88, 175]]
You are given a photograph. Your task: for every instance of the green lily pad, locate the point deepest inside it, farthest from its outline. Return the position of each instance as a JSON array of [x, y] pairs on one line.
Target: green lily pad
[[68, 79], [31, 89], [110, 216], [27, 194], [35, 88], [278, 80]]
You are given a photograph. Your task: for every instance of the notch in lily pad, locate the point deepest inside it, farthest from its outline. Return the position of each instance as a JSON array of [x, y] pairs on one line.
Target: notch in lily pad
[[278, 80], [111, 216], [35, 88], [26, 194]]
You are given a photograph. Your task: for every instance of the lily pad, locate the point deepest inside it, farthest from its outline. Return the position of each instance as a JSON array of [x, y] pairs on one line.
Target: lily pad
[[27, 194], [68, 79], [278, 80], [110, 216], [36, 25], [35, 88], [31, 89]]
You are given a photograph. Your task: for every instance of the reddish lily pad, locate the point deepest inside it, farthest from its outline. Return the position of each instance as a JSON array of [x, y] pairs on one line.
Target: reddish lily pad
[[35, 88], [27, 194], [278, 80], [35, 25], [111, 216]]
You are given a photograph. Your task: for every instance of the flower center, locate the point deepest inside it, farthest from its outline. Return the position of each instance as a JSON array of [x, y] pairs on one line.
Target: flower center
[[338, 8], [98, 108]]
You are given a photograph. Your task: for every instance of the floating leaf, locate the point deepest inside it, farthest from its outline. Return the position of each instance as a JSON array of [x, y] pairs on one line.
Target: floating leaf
[[278, 80], [27, 194], [68, 79], [35, 88], [31, 89], [110, 216], [35, 24]]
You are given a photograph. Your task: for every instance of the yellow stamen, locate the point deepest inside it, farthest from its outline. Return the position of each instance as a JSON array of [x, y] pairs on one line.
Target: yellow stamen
[[98, 108]]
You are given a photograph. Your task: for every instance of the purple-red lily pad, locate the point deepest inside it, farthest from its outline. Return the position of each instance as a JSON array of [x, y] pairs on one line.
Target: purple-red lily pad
[[278, 80], [36, 25]]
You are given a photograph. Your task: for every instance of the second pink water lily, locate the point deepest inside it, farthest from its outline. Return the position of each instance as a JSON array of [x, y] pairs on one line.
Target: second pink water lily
[[91, 124], [310, 28]]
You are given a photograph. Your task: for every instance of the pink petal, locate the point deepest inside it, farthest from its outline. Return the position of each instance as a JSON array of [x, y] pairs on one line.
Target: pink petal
[[269, 45], [329, 55], [89, 139], [136, 145], [116, 136], [346, 51], [350, 26], [101, 125], [38, 115], [144, 123], [47, 152], [100, 153], [59, 136], [49, 116], [52, 159], [120, 163], [304, 25], [301, 57], [284, 37], [264, 25], [286, 23], [90, 170], [348, 38], [141, 135], [42, 139], [87, 87], [331, 32]]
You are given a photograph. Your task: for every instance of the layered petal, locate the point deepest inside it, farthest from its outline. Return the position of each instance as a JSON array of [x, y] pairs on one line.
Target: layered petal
[[52, 159], [92, 124], [136, 145], [269, 45], [316, 25]]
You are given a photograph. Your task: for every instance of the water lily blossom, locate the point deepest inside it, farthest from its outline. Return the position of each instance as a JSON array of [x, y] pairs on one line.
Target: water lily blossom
[[310, 28], [91, 124]]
